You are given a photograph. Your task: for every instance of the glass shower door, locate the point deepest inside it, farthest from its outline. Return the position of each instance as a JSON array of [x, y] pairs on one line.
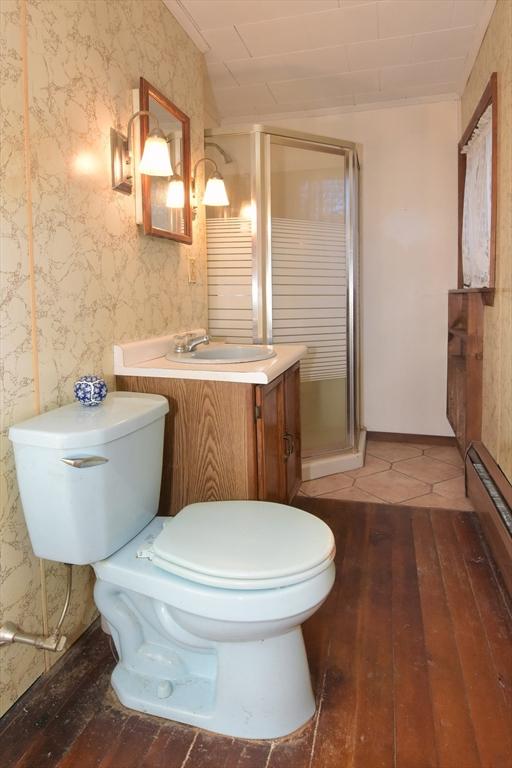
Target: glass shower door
[[307, 282]]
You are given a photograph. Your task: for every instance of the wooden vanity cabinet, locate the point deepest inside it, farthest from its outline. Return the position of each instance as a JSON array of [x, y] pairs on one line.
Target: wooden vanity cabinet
[[278, 437], [227, 440]]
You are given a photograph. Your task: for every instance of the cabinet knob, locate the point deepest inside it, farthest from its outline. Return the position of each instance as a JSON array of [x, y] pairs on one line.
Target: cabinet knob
[[290, 444]]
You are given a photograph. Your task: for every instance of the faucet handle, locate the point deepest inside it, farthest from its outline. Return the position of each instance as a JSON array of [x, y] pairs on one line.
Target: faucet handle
[[181, 341]]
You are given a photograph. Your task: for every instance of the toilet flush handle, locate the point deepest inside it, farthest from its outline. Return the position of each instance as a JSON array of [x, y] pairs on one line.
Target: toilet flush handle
[[85, 461]]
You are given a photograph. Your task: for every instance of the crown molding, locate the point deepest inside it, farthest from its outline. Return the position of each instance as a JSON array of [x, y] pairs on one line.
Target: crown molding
[[323, 111], [185, 20]]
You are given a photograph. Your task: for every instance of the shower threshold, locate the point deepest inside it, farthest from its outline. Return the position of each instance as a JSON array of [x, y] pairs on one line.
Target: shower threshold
[[332, 463]]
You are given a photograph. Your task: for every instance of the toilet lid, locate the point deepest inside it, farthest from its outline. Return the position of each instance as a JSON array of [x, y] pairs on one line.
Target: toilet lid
[[244, 544]]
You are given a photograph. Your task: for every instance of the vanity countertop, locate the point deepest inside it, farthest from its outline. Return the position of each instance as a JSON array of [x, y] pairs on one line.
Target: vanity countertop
[[147, 358]]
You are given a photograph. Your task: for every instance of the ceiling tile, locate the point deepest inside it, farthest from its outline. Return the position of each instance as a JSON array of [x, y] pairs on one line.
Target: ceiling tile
[[373, 54], [236, 110], [450, 44], [408, 17], [317, 30], [248, 97], [394, 94], [422, 74], [277, 56], [347, 3], [290, 66], [211, 14], [225, 43], [290, 91], [220, 75], [467, 12]]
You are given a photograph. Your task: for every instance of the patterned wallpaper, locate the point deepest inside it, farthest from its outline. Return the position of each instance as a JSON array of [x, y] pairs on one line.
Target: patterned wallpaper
[[77, 272], [495, 55]]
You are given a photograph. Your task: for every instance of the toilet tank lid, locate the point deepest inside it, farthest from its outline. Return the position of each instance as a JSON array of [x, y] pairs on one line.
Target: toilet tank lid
[[76, 426]]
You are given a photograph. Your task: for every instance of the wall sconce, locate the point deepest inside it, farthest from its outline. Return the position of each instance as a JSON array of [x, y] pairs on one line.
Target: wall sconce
[[176, 190], [215, 190], [155, 159]]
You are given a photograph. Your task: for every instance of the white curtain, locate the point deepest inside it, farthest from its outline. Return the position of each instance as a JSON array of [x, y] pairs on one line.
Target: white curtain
[[476, 221]]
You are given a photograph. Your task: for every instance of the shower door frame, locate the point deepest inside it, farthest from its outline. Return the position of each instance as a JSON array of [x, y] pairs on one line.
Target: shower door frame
[[262, 137]]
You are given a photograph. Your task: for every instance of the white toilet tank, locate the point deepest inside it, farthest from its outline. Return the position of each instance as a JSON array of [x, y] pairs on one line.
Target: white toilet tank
[[89, 478]]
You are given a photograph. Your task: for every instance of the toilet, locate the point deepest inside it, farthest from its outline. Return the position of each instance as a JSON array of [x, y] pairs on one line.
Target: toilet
[[205, 608]]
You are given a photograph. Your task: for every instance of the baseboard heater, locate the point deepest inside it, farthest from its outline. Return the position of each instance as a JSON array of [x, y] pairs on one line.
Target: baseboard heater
[[491, 495]]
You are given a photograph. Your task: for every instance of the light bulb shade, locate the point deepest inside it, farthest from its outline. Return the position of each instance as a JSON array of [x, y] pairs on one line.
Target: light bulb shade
[[215, 192], [155, 159], [176, 193]]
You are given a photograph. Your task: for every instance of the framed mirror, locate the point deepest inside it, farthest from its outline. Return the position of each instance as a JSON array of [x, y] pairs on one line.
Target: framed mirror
[[158, 218]]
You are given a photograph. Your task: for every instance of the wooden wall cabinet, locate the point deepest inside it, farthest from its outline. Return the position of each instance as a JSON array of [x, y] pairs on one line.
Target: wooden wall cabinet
[[226, 440], [465, 363], [466, 305]]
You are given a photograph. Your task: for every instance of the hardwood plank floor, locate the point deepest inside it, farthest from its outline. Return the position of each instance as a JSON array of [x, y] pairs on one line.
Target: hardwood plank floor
[[410, 658]]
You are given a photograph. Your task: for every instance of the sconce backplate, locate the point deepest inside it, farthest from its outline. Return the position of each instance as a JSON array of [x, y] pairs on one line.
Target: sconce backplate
[[122, 177]]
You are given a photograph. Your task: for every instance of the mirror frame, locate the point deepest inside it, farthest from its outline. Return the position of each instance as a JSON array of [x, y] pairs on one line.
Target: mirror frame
[[146, 92]]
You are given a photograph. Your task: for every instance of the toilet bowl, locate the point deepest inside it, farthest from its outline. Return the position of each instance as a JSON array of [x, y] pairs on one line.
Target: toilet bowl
[[205, 608]]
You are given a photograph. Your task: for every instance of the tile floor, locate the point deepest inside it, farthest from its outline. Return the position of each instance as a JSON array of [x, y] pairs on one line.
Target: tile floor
[[418, 474]]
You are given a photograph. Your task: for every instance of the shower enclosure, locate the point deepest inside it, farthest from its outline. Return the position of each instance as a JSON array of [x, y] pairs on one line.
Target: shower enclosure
[[282, 268]]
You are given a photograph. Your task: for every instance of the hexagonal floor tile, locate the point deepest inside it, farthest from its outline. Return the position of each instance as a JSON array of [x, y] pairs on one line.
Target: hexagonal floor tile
[[390, 451], [323, 485], [371, 465], [446, 453], [451, 489], [427, 469], [441, 502], [352, 494], [392, 486]]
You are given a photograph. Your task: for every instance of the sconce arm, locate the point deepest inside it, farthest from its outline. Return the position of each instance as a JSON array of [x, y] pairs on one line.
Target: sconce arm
[[204, 160], [130, 125]]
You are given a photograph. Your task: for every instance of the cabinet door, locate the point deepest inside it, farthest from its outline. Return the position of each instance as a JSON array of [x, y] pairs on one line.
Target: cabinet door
[[271, 443], [292, 431]]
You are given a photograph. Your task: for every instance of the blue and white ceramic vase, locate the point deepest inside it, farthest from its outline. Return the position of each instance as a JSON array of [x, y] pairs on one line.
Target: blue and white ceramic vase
[[90, 390]]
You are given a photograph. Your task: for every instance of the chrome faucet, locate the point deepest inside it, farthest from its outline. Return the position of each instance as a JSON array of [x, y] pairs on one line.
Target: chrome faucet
[[188, 344]]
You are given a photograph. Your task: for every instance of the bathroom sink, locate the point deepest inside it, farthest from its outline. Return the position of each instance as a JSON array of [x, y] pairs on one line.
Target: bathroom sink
[[217, 354]]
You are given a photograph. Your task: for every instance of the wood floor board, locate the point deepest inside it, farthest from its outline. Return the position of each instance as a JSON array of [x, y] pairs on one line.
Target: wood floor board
[[410, 658], [88, 750], [455, 735], [130, 745], [69, 722], [483, 692], [212, 751], [374, 726], [495, 613], [335, 734], [252, 755], [169, 748], [415, 745], [47, 697]]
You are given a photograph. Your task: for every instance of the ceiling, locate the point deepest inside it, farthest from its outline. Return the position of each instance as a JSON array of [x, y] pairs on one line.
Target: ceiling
[[289, 57]]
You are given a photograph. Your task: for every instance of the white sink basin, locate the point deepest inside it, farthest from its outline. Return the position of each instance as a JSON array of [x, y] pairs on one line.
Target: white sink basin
[[218, 354]]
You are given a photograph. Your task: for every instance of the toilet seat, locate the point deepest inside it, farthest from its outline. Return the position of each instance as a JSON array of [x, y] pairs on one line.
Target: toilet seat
[[244, 545]]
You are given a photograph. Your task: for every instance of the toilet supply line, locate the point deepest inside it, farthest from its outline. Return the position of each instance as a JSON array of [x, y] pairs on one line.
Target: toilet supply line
[[10, 633]]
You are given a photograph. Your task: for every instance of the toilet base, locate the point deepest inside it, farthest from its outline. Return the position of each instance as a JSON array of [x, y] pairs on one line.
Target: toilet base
[[260, 690]]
